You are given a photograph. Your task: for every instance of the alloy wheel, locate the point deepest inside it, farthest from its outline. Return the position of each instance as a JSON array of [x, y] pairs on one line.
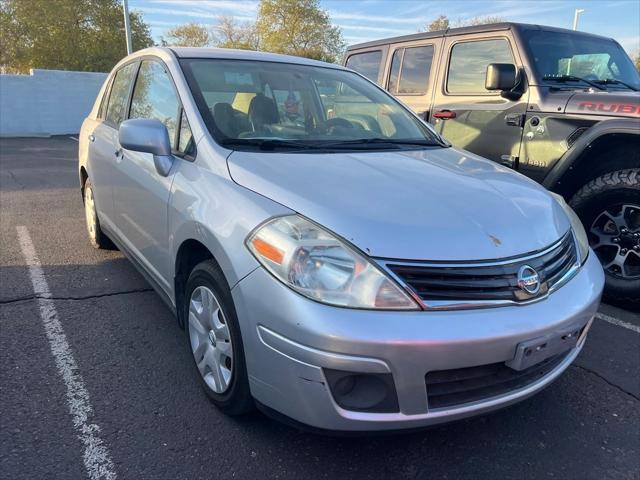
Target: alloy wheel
[[615, 237], [210, 339]]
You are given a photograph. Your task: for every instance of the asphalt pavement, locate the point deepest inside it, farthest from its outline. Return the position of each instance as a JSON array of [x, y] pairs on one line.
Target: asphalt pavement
[[122, 383]]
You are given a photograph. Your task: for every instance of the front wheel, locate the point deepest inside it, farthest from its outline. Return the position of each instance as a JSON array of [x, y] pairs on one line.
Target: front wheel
[[609, 207], [215, 340]]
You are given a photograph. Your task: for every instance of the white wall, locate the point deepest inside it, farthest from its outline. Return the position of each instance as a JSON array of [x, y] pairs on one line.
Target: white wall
[[46, 102]]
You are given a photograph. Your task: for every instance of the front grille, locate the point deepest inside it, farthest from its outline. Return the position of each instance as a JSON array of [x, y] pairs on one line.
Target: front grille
[[449, 388], [487, 281]]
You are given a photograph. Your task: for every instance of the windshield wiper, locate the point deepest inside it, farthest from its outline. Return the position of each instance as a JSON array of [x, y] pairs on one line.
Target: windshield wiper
[[266, 143], [381, 141], [615, 81], [572, 78]]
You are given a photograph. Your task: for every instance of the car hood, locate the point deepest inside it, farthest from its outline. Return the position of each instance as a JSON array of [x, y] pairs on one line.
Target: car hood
[[610, 103], [433, 204]]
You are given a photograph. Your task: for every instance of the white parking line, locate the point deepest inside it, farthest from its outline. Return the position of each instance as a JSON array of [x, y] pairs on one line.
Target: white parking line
[[619, 323], [96, 457], [74, 138]]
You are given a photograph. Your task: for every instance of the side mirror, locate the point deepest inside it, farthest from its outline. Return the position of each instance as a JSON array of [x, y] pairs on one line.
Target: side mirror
[[501, 76], [149, 136]]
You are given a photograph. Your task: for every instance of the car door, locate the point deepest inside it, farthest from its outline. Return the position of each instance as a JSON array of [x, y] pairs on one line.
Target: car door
[[466, 113], [141, 194], [411, 74], [103, 141]]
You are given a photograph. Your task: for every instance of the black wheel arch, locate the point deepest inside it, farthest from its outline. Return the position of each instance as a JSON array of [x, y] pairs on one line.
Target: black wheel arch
[[190, 253], [619, 138]]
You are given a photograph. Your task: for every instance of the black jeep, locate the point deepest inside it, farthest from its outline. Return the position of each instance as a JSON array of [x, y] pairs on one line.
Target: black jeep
[[560, 106]]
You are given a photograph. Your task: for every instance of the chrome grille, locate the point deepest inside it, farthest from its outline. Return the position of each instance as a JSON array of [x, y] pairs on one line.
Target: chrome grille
[[481, 282]]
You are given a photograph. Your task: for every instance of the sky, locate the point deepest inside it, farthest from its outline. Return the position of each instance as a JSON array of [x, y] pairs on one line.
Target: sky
[[363, 20]]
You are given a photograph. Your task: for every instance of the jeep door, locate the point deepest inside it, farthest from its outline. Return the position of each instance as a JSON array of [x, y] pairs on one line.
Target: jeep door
[[141, 194], [465, 112], [410, 74]]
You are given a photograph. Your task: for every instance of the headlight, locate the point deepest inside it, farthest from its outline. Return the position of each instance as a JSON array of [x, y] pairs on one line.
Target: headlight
[[315, 263], [582, 241]]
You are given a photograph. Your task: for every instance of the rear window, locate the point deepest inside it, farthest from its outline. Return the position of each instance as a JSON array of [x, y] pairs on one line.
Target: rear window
[[410, 68], [469, 62], [367, 64]]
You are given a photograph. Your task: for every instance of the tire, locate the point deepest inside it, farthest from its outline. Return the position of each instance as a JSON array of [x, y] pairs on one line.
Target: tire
[[223, 376], [607, 206], [97, 238]]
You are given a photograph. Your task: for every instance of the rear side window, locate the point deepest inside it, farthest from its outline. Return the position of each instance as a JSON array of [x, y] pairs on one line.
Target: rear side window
[[410, 68], [367, 64], [469, 61], [155, 97], [117, 105]]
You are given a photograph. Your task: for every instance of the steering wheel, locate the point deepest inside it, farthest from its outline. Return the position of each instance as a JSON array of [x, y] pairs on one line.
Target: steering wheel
[[337, 122]]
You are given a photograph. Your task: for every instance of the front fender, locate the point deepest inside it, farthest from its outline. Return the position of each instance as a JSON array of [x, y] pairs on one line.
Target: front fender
[[220, 214], [623, 126]]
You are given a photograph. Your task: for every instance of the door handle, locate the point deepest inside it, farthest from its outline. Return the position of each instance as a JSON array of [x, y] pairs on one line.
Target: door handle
[[444, 114], [118, 153], [91, 138]]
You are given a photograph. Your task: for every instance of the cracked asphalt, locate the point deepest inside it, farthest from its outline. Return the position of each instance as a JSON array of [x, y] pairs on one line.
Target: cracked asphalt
[[158, 424]]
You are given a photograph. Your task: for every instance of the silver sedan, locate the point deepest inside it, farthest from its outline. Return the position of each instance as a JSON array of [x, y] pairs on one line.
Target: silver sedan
[[332, 259]]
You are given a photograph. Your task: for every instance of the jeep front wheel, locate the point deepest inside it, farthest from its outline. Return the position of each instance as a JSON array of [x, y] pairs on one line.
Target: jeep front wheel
[[609, 207]]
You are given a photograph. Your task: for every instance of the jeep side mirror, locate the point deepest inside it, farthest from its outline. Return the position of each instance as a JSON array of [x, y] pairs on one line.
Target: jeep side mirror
[[501, 76], [149, 136]]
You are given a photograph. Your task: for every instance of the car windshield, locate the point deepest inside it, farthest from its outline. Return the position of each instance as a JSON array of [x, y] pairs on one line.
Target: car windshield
[[281, 106], [574, 58]]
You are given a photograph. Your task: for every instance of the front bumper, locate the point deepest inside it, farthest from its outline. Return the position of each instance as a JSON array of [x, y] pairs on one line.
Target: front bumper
[[289, 340]]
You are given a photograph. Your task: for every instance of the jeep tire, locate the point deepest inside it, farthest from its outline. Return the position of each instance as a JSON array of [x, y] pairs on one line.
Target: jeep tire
[[609, 207]]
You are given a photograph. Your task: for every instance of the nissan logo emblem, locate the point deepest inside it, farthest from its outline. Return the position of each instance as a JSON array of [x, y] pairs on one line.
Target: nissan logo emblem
[[528, 280]]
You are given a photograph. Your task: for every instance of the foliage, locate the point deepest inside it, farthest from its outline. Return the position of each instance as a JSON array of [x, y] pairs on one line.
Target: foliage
[[443, 22], [85, 35], [188, 35], [298, 27], [231, 34], [440, 23]]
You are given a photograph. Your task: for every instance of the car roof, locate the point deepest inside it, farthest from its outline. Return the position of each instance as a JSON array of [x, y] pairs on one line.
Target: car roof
[[490, 27], [233, 54]]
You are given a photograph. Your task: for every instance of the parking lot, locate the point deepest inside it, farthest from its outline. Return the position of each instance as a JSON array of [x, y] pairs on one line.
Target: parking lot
[[97, 380]]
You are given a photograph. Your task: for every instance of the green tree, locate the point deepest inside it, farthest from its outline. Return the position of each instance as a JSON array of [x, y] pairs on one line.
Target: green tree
[[298, 27], [85, 35], [231, 34], [440, 23], [188, 35]]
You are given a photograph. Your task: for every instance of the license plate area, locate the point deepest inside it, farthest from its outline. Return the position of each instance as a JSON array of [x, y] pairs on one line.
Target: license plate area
[[536, 350]]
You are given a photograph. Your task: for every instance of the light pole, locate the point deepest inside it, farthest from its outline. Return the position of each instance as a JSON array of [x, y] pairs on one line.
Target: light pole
[[576, 15], [127, 26]]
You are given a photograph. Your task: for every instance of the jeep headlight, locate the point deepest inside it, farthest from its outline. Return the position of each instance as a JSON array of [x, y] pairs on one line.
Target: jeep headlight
[[318, 265], [579, 233]]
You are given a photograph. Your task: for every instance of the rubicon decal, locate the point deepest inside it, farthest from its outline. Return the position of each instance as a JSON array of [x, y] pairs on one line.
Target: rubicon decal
[[628, 108]]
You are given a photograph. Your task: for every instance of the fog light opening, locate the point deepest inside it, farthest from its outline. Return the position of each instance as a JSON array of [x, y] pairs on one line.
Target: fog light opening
[[365, 392]]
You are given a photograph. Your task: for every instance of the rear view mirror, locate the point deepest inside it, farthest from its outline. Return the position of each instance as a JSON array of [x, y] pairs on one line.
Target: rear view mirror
[[149, 136], [501, 76]]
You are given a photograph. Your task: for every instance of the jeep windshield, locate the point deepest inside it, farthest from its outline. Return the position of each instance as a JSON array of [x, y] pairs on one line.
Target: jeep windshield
[[257, 105], [577, 60]]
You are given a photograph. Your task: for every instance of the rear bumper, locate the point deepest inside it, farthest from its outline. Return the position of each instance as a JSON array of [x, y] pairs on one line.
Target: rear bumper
[[289, 340]]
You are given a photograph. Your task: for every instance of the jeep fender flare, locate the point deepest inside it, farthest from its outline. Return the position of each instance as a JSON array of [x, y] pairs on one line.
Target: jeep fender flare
[[606, 127]]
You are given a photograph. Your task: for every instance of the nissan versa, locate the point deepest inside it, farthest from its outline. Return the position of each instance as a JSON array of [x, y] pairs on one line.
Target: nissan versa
[[332, 259]]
